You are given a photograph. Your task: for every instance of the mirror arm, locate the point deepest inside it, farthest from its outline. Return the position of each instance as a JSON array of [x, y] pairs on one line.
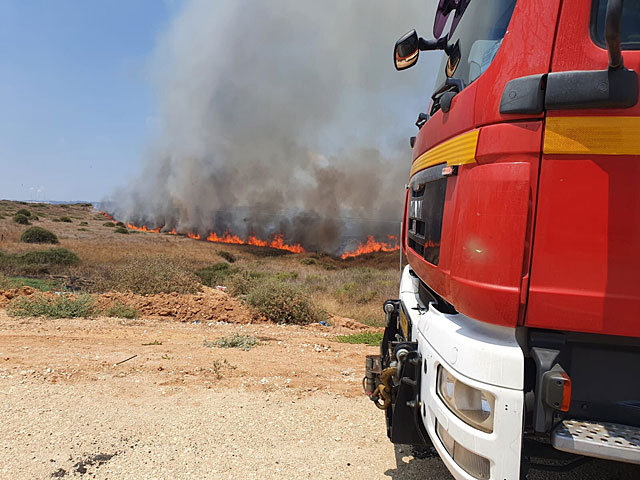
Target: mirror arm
[[612, 33], [427, 45]]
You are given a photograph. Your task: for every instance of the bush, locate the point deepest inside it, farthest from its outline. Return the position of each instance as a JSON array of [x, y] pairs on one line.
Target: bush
[[121, 230], [17, 282], [284, 303], [84, 224], [120, 310], [120, 224], [23, 211], [21, 219], [147, 275], [38, 235], [368, 338], [42, 258], [228, 256], [65, 219], [308, 261], [237, 340], [215, 274], [57, 306], [243, 282], [109, 224], [55, 219], [53, 256]]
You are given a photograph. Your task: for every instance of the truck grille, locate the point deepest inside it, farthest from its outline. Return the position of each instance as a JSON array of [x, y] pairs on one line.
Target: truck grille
[[426, 208]]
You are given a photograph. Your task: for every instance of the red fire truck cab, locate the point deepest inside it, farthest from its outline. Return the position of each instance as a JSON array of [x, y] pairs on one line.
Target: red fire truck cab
[[519, 313]]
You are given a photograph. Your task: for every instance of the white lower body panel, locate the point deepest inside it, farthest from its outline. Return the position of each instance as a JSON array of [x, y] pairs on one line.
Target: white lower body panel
[[482, 356]]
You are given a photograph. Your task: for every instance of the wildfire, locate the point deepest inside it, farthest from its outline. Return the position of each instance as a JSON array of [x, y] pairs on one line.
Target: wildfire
[[371, 245], [142, 228]]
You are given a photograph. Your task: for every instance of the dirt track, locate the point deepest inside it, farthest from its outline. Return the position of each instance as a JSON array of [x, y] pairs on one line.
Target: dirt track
[[290, 408]]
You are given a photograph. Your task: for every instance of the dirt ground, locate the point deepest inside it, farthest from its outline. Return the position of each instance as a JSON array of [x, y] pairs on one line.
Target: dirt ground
[[290, 408]]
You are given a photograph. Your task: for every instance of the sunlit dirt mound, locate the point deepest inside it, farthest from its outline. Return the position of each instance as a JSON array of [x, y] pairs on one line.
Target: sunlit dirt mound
[[209, 305]]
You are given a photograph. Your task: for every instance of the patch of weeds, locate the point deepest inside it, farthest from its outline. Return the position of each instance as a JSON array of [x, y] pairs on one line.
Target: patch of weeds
[[83, 230], [55, 219], [121, 230], [308, 261], [228, 256], [284, 303], [57, 306], [244, 282], [286, 276], [236, 340], [215, 274], [109, 224], [147, 275], [328, 266], [84, 224], [155, 342], [21, 219], [38, 235], [66, 220], [166, 357], [37, 283], [120, 310], [23, 211], [316, 283], [37, 261], [218, 366], [120, 224], [368, 338]]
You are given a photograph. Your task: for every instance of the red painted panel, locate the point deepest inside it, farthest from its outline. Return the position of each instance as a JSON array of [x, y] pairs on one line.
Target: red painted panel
[[586, 257], [525, 50], [486, 263]]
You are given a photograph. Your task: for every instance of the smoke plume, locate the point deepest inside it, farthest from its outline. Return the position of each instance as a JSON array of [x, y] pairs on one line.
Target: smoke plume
[[281, 116]]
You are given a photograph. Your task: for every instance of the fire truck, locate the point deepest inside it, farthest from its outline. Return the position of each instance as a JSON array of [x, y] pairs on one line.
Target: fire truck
[[518, 317]]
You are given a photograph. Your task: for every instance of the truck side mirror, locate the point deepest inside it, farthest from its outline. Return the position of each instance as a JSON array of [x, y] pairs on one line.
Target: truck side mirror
[[406, 52]]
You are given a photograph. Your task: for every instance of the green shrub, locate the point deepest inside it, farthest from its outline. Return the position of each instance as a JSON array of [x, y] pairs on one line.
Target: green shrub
[[120, 310], [65, 219], [286, 276], [284, 303], [21, 219], [23, 211], [109, 224], [53, 256], [38, 235], [215, 274], [328, 266], [243, 282], [308, 261], [55, 219], [57, 306], [237, 340], [147, 275], [228, 256], [121, 230], [368, 338], [84, 224], [120, 224]]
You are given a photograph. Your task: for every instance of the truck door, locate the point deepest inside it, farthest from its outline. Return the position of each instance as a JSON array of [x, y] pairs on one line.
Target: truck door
[[586, 251]]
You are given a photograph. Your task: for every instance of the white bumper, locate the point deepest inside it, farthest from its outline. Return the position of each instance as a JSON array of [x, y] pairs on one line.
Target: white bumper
[[483, 356]]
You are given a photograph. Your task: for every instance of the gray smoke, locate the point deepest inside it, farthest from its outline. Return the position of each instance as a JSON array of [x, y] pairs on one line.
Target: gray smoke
[[282, 116]]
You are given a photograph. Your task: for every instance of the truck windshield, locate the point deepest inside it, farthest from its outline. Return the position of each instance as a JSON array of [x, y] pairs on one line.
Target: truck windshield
[[478, 36], [630, 28]]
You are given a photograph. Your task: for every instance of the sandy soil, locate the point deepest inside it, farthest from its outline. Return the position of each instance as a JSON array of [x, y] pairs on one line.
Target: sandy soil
[[290, 408]]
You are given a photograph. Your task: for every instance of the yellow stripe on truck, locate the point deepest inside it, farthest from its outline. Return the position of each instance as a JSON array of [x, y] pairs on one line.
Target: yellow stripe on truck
[[457, 151], [592, 135]]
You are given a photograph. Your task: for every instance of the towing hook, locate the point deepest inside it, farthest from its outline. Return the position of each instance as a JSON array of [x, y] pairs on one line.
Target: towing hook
[[383, 391]]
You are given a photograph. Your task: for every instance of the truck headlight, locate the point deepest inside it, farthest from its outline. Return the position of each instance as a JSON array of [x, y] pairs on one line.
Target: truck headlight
[[471, 405]]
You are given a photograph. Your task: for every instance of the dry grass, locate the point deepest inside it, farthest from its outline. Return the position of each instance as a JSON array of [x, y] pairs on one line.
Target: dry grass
[[355, 288]]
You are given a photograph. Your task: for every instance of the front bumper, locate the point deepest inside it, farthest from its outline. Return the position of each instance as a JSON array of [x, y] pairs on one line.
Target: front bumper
[[483, 356]]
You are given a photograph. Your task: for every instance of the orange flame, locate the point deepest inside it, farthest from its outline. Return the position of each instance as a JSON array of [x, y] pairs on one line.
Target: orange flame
[[371, 245], [107, 216], [143, 228]]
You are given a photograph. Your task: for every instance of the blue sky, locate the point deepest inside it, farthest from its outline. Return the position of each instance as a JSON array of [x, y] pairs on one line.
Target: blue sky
[[76, 106]]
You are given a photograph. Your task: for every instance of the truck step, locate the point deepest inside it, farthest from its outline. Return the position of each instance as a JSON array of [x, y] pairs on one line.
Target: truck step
[[610, 441]]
